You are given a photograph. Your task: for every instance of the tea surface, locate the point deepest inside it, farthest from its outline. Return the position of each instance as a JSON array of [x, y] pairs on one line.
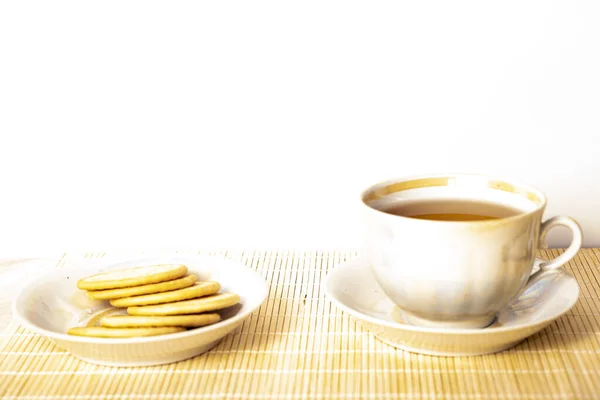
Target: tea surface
[[451, 210]]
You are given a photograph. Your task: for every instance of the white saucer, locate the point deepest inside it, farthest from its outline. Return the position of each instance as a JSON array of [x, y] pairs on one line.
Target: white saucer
[[50, 303], [352, 287]]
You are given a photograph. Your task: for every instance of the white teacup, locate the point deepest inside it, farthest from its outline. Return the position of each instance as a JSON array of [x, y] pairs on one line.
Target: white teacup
[[452, 273]]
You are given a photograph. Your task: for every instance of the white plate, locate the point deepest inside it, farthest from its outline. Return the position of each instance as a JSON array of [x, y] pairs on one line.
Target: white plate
[[50, 304], [352, 287]]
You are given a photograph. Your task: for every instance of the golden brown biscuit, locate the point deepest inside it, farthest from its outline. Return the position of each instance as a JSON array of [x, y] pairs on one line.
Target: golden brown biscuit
[[132, 321], [198, 290], [100, 331], [119, 293], [132, 277], [194, 306]]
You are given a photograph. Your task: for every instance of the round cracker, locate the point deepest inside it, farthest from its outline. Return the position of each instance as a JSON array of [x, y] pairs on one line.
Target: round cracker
[[132, 321], [160, 287], [100, 331], [194, 306], [132, 277], [198, 290]]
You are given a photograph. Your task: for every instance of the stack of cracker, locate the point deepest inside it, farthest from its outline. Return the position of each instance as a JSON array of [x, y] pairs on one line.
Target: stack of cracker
[[159, 299]]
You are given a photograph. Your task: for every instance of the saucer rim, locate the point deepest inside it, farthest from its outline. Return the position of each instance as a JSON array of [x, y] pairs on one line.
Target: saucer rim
[[445, 331]]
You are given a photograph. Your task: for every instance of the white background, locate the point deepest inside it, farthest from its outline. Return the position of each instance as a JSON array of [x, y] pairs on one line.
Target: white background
[[146, 125]]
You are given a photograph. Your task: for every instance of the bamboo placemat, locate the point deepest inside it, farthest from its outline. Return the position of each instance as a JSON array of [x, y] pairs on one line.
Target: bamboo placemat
[[298, 345]]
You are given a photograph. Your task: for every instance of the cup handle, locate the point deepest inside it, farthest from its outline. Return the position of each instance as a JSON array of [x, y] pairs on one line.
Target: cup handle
[[573, 248], [552, 265]]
